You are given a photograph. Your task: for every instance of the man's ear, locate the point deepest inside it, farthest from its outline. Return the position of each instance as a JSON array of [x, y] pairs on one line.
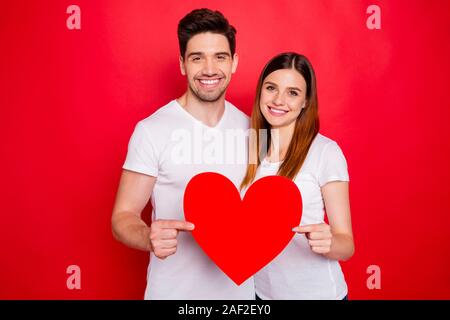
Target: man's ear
[[235, 63], [182, 69]]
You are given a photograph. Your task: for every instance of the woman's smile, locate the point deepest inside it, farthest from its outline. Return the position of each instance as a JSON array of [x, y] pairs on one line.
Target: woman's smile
[[276, 112]]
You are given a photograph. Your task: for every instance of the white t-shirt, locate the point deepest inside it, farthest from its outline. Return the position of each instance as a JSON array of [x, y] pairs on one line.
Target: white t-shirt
[[297, 272], [173, 146]]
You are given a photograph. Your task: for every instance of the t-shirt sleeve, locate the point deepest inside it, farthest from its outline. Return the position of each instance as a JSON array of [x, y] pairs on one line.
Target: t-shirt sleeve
[[333, 166], [142, 156]]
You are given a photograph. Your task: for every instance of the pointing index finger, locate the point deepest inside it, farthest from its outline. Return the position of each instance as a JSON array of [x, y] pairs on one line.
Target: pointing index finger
[[305, 229], [178, 224]]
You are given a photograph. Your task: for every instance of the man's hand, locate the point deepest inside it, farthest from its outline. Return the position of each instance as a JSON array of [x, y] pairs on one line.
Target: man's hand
[[319, 237], [163, 236]]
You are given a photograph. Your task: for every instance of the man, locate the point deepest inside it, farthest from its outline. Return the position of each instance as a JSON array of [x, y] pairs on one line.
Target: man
[[167, 149]]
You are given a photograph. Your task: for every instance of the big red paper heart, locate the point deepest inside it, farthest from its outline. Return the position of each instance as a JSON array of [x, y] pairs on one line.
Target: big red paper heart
[[242, 236]]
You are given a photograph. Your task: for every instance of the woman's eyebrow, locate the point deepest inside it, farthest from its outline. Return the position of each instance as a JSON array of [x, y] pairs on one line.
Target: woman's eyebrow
[[271, 83], [289, 88]]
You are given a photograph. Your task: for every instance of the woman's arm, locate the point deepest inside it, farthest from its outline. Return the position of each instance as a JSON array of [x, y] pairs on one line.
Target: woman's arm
[[334, 241], [337, 205]]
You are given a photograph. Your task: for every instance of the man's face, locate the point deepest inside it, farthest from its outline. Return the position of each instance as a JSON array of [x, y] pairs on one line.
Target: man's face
[[208, 65]]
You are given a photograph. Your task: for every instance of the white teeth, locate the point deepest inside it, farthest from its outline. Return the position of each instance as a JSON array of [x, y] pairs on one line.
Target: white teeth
[[209, 82], [277, 111]]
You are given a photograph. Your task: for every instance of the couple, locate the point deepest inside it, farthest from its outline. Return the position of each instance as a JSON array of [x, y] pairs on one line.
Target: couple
[[286, 103]]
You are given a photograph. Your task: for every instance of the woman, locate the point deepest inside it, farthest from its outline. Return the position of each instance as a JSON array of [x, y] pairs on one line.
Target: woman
[[286, 106]]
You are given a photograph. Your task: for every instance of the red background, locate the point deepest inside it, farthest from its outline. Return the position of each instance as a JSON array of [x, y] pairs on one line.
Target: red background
[[71, 98]]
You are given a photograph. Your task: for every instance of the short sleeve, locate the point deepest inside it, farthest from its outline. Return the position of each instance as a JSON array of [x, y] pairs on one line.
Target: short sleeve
[[333, 166], [142, 155]]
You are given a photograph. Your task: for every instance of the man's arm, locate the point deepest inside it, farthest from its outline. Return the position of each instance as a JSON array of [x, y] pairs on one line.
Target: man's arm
[[132, 196], [134, 192]]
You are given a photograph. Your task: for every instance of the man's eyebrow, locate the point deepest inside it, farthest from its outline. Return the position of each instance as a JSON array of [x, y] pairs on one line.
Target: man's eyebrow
[[202, 54], [275, 85], [195, 54]]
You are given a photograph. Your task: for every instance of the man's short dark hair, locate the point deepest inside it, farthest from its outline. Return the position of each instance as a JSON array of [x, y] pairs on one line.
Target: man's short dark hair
[[205, 20]]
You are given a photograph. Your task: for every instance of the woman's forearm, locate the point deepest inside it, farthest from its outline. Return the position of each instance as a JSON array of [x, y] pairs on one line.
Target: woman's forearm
[[342, 247]]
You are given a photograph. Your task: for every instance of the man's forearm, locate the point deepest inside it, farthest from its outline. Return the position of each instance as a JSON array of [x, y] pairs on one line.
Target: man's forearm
[[132, 231]]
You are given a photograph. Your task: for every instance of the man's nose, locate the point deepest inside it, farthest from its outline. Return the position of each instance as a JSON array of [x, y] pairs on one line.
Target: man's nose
[[209, 67]]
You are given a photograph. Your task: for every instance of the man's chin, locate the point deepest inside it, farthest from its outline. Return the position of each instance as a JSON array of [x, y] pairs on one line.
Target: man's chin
[[210, 97]]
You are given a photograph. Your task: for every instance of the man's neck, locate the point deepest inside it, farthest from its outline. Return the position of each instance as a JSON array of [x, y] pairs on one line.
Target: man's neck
[[209, 113]]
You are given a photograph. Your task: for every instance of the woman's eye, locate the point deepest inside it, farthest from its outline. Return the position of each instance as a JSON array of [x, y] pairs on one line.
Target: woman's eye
[[270, 88], [293, 93]]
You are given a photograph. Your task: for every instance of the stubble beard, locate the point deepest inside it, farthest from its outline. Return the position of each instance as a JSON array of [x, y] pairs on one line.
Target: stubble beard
[[208, 97]]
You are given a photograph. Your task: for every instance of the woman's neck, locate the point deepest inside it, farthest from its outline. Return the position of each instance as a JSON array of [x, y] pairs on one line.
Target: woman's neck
[[280, 140]]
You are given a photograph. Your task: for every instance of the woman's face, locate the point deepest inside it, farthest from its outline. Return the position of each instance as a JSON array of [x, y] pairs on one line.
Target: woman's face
[[283, 95]]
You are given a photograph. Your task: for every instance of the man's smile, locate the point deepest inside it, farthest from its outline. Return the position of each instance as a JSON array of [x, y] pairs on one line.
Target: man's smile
[[209, 83]]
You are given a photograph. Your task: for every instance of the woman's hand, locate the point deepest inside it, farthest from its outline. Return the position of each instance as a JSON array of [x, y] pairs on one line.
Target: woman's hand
[[337, 244], [319, 237]]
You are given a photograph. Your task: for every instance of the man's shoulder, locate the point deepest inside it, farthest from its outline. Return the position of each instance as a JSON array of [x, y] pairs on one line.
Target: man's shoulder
[[238, 116], [162, 117], [159, 126]]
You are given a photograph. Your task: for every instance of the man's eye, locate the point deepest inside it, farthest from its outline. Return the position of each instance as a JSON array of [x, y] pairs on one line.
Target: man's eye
[[195, 58], [221, 57]]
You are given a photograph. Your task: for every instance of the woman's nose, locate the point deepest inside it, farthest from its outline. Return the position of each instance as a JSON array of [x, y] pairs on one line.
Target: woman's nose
[[278, 99]]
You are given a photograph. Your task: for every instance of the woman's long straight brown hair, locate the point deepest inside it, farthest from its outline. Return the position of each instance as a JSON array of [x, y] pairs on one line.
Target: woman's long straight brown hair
[[306, 125]]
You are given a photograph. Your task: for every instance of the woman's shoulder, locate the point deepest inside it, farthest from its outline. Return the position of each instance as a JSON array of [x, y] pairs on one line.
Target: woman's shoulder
[[324, 155], [320, 142], [323, 148]]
